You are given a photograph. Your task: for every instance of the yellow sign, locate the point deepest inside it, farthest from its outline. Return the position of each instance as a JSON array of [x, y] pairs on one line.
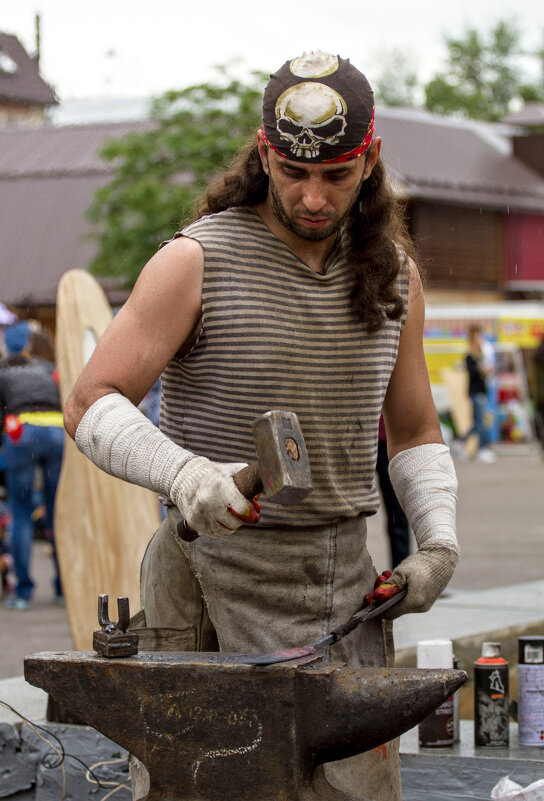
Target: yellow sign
[[526, 333]]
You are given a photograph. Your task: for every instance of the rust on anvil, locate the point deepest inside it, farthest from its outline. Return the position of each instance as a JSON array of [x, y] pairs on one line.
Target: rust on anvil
[[208, 728]]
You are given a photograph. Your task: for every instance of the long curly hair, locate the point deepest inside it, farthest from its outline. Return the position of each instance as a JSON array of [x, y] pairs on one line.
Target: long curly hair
[[374, 235]]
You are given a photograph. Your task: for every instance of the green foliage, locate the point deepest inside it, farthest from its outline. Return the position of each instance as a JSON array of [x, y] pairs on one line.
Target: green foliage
[[159, 172], [483, 76], [397, 80]]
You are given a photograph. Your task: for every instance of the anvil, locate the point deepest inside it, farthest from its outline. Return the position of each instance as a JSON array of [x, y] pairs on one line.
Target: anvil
[[210, 729]]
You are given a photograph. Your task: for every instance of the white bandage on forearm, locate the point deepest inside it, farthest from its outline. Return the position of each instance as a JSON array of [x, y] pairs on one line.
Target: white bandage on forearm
[[426, 485], [118, 438]]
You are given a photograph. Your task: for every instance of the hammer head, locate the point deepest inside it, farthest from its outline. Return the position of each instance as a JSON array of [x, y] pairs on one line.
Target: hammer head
[[282, 457]]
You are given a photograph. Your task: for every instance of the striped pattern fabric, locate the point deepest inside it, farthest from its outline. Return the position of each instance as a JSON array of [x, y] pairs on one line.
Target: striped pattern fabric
[[277, 335]]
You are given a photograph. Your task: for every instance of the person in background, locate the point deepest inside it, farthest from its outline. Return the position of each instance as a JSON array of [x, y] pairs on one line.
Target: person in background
[[398, 528], [480, 364], [31, 419], [537, 389]]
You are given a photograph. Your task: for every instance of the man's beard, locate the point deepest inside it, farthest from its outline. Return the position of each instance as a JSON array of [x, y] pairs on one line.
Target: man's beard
[[309, 234]]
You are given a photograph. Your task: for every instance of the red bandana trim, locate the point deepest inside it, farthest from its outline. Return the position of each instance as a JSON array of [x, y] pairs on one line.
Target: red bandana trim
[[352, 154]]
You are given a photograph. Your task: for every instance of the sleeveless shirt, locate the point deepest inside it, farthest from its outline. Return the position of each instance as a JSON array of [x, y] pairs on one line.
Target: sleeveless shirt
[[277, 335]]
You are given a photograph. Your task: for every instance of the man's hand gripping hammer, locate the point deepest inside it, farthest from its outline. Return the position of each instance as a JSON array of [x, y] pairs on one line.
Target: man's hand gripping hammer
[[282, 469]]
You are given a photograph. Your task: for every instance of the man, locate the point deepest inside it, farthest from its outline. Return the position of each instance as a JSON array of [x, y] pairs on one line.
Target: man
[[291, 290]]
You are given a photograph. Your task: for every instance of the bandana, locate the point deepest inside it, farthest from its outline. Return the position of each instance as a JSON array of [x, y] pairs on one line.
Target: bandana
[[318, 108]]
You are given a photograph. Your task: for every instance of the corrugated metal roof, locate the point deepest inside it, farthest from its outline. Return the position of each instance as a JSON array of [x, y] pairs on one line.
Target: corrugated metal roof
[[23, 84], [54, 151], [456, 161]]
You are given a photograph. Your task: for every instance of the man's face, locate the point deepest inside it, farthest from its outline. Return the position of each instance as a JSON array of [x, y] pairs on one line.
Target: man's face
[[312, 200]]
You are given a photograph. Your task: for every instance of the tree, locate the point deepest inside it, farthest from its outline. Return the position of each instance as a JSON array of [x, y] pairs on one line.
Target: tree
[[484, 75], [159, 172], [397, 81]]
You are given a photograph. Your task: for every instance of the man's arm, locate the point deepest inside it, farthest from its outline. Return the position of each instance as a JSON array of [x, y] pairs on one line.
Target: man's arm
[[421, 471], [101, 413], [409, 412]]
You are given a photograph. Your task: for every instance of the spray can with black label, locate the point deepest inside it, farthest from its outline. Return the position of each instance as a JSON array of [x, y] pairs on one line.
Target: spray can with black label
[[491, 705], [436, 731], [531, 690]]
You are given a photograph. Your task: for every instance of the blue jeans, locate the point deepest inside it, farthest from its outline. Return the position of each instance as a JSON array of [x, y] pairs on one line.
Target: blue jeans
[[38, 446], [480, 426]]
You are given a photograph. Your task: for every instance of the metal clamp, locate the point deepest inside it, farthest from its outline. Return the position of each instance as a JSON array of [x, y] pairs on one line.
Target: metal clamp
[[113, 639]]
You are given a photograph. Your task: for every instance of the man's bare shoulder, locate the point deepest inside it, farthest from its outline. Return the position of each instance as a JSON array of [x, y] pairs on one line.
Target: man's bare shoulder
[[177, 267], [181, 250]]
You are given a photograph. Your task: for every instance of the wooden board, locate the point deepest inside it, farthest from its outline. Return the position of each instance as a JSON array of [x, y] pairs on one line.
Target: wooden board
[[102, 524]]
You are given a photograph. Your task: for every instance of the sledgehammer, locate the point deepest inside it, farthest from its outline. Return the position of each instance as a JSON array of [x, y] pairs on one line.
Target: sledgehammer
[[282, 469]]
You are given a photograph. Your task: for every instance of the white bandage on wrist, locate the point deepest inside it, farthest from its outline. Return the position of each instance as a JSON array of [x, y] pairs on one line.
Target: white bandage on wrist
[[426, 485], [119, 439]]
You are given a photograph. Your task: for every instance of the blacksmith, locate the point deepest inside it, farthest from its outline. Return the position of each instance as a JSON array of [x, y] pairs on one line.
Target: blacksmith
[[293, 289]]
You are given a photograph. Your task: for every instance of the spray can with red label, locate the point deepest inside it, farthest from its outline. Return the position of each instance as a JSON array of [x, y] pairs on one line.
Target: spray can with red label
[[491, 704], [531, 690]]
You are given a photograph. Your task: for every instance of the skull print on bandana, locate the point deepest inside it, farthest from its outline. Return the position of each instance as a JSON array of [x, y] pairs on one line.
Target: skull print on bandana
[[309, 115], [318, 107]]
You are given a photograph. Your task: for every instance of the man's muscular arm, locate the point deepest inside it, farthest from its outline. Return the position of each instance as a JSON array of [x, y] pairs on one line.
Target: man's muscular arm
[[101, 413], [421, 469]]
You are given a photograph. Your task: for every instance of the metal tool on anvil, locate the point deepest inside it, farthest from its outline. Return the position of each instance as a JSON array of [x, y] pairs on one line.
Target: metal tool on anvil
[[210, 729], [113, 639], [282, 469], [369, 612]]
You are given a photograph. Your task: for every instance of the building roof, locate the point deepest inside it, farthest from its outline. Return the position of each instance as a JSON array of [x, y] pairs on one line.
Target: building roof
[[48, 177], [20, 80], [465, 162], [49, 151], [531, 114]]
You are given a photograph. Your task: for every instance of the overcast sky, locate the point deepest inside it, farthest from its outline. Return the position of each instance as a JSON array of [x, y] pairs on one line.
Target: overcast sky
[[144, 47]]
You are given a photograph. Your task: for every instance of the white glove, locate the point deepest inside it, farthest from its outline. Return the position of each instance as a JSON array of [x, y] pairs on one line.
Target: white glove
[[209, 500], [425, 575], [426, 485], [117, 437]]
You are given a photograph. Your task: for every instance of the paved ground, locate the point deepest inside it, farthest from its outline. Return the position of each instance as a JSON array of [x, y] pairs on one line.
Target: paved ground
[[501, 530]]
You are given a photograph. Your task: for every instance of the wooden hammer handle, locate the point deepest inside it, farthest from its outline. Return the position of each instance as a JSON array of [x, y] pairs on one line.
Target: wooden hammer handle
[[247, 480]]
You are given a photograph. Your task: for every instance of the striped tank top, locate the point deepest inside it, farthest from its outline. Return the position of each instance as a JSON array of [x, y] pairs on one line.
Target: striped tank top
[[277, 335]]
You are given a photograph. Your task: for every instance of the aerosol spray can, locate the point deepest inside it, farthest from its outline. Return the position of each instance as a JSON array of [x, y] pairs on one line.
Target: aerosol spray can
[[531, 690], [436, 731], [491, 705]]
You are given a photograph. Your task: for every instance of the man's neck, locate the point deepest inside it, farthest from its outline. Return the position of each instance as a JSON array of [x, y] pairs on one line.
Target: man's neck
[[312, 253]]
